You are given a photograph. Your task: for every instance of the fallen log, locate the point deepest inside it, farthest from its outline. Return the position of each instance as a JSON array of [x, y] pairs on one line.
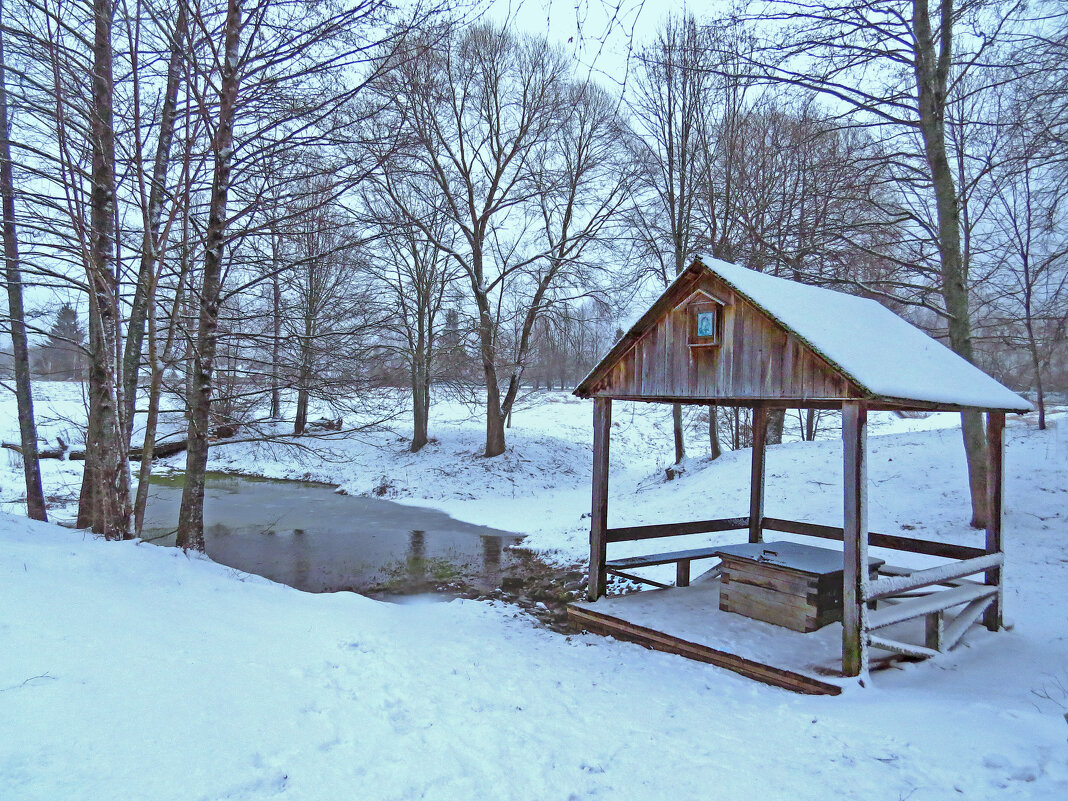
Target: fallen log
[[161, 450], [47, 453], [169, 448]]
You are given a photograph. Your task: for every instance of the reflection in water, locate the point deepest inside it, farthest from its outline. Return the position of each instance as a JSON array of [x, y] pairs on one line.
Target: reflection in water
[[491, 557], [309, 537], [417, 556]]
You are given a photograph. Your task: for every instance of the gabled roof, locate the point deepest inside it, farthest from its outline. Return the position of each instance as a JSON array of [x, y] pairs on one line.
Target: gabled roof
[[884, 356]]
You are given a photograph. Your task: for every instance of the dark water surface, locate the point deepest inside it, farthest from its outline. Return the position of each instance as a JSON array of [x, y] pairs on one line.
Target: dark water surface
[[309, 537]]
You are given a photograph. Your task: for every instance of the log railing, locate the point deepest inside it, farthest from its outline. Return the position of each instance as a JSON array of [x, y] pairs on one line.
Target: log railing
[[896, 585], [889, 541], [968, 559], [631, 533]]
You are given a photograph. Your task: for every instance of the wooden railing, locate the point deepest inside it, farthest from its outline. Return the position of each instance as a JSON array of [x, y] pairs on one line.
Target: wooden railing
[[890, 541], [896, 585], [941, 633], [631, 533]]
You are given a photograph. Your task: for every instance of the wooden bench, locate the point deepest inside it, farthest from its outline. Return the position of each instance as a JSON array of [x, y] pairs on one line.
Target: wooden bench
[[681, 559]]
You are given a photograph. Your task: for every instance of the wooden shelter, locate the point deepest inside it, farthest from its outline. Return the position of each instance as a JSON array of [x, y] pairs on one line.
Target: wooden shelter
[[721, 334]]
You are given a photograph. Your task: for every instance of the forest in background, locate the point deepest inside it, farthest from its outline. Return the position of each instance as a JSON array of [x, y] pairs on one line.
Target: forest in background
[[250, 208]]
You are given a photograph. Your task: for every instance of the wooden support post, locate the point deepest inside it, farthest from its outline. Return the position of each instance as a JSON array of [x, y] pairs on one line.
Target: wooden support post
[[602, 431], [934, 630], [756, 478], [682, 573], [995, 491], [855, 538]]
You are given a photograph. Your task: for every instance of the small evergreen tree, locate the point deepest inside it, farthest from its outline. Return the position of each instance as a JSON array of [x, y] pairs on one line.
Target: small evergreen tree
[[63, 351]]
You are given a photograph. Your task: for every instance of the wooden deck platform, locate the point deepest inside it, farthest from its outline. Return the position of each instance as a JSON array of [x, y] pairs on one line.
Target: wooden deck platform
[[687, 621]]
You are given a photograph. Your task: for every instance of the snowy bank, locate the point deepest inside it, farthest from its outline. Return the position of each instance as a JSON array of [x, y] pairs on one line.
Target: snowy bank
[[130, 671]]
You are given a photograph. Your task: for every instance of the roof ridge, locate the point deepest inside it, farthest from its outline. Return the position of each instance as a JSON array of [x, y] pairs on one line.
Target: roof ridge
[[789, 328]]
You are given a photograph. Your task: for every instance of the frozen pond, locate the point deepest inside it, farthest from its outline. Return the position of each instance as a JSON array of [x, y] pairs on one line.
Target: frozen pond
[[309, 537]]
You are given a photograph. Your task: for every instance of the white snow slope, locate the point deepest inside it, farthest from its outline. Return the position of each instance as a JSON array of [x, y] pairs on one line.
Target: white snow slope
[[129, 671]]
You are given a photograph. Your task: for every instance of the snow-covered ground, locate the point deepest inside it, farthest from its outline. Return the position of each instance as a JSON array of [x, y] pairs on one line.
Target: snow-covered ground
[[130, 671]]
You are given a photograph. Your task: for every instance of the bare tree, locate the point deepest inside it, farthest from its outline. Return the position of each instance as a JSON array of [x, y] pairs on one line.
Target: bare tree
[[105, 504], [526, 162], [1033, 274], [674, 89], [301, 68], [329, 309], [152, 199], [894, 67], [1042, 65], [161, 354], [191, 515], [418, 277], [82, 136], [35, 504]]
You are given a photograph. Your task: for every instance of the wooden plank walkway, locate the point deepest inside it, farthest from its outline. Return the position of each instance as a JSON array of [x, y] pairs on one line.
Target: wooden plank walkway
[[584, 618]]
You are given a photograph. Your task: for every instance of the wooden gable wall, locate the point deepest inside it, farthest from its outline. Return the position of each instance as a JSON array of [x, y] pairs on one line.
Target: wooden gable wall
[[756, 360]]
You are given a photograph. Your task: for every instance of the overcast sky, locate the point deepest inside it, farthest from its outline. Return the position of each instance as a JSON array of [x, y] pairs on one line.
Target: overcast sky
[[598, 33]]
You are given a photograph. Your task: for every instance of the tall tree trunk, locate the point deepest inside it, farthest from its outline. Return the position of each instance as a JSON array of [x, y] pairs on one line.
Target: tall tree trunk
[[776, 422], [676, 409], [144, 470], [495, 444], [35, 504], [300, 419], [191, 515], [304, 373], [427, 381], [276, 340], [714, 445], [158, 362], [932, 67], [1040, 398], [676, 428], [105, 502], [143, 298], [1036, 365], [419, 415], [420, 397]]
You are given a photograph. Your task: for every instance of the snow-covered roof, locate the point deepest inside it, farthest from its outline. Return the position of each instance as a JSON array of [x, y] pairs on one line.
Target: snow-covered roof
[[885, 356], [880, 351]]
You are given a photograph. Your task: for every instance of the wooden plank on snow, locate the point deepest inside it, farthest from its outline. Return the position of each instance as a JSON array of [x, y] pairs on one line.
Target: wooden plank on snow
[[599, 623]]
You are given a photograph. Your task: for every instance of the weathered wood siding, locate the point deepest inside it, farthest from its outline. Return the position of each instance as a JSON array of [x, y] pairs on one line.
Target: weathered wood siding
[[756, 359]]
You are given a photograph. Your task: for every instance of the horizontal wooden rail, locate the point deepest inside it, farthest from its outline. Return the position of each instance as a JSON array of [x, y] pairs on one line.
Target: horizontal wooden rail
[[631, 533], [894, 585], [928, 547], [889, 614], [637, 579], [906, 648]]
